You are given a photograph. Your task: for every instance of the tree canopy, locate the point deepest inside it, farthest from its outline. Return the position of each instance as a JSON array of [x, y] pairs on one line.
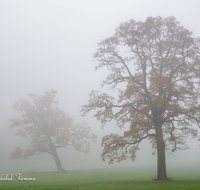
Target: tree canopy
[[48, 128], [155, 70]]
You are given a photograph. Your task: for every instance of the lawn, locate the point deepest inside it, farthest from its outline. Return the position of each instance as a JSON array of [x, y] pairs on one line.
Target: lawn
[[141, 178]]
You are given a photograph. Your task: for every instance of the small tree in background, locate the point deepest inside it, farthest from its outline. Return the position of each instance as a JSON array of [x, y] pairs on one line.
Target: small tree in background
[[49, 128], [155, 68]]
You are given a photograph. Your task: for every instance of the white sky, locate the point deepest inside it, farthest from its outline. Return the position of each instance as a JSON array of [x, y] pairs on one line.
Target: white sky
[[48, 44]]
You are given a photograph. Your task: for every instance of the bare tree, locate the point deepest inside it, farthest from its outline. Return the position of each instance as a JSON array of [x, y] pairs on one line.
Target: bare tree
[[155, 71], [49, 128]]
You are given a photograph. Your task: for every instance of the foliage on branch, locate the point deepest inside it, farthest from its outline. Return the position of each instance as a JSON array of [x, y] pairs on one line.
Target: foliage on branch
[[48, 127]]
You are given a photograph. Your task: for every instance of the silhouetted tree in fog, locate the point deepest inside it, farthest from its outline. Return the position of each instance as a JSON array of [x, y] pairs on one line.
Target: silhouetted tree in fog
[[48, 128], [155, 69]]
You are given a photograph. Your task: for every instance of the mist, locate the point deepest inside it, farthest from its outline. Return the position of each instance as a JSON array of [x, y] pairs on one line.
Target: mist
[[48, 44]]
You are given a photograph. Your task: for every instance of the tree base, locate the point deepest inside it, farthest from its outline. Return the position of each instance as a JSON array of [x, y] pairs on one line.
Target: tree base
[[61, 171], [167, 179]]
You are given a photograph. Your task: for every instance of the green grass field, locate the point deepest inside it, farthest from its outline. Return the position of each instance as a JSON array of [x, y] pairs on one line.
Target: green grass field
[[125, 178]]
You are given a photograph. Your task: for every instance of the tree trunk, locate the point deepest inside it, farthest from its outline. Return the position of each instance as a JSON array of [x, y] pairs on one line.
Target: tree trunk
[[161, 164], [55, 156], [58, 162]]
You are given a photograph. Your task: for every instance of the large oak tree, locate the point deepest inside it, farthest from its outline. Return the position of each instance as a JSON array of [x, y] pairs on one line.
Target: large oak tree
[[155, 70], [48, 128]]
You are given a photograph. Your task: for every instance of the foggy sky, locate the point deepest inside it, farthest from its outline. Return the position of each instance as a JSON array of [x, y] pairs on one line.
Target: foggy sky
[[48, 44]]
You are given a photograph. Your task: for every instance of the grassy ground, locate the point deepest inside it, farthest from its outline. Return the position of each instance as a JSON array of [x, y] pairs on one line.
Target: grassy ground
[[137, 178]]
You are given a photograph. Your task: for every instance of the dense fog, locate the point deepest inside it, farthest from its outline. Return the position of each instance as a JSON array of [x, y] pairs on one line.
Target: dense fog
[[48, 44]]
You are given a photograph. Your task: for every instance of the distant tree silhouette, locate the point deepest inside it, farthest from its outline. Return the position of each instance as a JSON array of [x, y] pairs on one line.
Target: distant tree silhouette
[[48, 128]]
